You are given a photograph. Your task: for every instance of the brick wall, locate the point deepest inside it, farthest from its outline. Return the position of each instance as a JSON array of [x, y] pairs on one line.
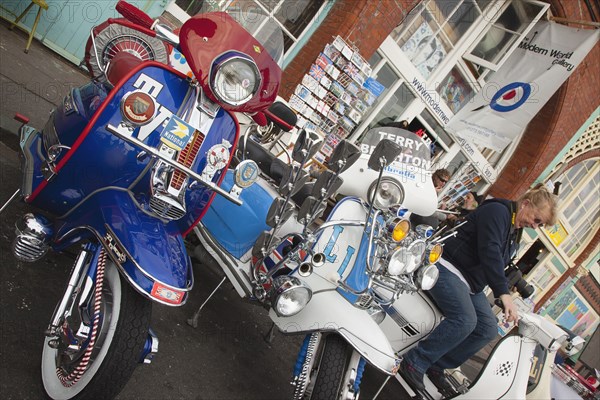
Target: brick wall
[[364, 23]]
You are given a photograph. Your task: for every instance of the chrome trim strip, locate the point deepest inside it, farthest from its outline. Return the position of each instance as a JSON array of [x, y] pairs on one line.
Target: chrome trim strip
[[27, 136]]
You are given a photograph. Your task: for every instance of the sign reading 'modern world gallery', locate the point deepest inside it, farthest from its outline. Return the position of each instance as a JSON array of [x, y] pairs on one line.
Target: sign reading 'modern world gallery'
[[519, 89]]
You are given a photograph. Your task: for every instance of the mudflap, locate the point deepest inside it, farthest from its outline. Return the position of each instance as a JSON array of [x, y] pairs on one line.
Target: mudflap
[[150, 253], [330, 312]]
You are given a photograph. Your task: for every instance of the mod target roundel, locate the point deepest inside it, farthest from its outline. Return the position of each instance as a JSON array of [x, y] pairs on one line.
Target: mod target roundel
[[511, 97]]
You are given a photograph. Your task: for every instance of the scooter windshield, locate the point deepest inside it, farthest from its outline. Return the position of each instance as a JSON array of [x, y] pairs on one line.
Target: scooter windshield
[[259, 24], [415, 151]]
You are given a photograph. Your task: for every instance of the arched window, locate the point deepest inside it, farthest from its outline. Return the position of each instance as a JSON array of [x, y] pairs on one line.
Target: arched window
[[579, 205]]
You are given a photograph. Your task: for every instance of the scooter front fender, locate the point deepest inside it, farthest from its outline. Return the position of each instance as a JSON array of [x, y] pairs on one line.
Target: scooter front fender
[[148, 252], [329, 312]]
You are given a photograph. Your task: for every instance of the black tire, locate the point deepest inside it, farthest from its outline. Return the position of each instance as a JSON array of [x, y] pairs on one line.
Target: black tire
[[121, 338], [332, 369]]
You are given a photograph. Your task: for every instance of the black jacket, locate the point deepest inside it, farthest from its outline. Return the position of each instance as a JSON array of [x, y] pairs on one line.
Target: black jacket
[[484, 245]]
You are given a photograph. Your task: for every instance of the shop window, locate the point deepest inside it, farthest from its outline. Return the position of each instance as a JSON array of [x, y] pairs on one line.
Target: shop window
[[438, 132], [437, 26], [293, 16], [511, 26], [455, 90], [460, 183], [542, 278], [393, 107], [536, 252]]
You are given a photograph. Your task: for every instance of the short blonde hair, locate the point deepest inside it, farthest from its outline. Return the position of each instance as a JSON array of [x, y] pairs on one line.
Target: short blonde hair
[[542, 199]]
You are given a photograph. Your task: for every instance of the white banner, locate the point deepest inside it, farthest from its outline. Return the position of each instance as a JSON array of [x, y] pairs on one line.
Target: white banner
[[515, 93]]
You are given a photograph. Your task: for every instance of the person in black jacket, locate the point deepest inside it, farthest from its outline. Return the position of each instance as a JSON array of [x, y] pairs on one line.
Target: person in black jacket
[[473, 259]]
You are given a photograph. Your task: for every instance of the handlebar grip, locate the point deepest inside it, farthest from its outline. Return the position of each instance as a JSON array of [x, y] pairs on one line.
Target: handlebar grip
[[134, 14]]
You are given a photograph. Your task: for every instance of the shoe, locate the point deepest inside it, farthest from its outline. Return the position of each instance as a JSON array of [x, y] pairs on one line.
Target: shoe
[[413, 377], [441, 382]]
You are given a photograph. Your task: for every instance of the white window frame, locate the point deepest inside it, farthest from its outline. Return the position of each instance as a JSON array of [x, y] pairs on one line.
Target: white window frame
[[491, 66], [180, 14]]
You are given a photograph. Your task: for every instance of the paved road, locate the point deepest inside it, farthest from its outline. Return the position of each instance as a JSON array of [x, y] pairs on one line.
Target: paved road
[[225, 357]]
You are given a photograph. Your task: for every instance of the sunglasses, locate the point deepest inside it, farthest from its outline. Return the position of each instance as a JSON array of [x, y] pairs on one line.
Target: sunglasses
[[538, 222]]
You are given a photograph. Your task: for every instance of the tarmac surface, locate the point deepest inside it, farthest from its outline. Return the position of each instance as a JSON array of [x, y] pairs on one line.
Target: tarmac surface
[[225, 357]]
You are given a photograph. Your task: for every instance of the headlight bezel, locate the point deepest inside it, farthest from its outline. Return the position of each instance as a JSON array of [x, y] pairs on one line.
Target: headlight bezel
[[427, 276], [286, 285], [385, 181], [225, 61]]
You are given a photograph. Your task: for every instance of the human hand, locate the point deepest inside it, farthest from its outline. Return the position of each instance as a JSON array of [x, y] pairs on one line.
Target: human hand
[[511, 312]]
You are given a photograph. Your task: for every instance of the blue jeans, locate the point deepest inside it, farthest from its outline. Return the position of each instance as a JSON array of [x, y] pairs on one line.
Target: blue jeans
[[468, 326]]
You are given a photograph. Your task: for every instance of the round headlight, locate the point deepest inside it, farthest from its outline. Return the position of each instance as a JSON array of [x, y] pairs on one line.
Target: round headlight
[[433, 253], [289, 295], [388, 194], [235, 80], [417, 249], [399, 228], [400, 261], [427, 277]]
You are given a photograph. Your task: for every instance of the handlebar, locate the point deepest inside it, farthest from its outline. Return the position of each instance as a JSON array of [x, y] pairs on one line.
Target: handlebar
[[134, 14]]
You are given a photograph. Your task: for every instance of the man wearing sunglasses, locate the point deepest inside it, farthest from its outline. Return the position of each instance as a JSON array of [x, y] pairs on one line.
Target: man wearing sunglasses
[[473, 259], [439, 177]]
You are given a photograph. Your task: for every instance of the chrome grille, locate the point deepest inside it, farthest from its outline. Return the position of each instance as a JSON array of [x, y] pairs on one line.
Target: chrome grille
[[165, 209], [29, 248], [186, 157], [364, 301]]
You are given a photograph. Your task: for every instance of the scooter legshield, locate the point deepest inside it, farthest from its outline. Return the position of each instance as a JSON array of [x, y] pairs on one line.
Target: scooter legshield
[[329, 312], [148, 252], [234, 227]]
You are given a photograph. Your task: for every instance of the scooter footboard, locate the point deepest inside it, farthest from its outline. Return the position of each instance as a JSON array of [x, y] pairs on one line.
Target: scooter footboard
[[328, 311]]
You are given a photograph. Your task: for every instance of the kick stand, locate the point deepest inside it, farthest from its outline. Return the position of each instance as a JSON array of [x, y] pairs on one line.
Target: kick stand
[[12, 198], [381, 388], [194, 320]]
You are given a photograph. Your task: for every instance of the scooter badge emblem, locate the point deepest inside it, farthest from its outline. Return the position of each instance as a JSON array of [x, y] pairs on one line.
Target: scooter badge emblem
[[177, 133]]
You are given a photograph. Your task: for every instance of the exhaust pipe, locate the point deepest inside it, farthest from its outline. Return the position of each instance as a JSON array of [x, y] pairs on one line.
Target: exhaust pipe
[[33, 237], [318, 259], [306, 268]]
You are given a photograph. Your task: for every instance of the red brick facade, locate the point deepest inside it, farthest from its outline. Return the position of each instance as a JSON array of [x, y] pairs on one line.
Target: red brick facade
[[365, 23]]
